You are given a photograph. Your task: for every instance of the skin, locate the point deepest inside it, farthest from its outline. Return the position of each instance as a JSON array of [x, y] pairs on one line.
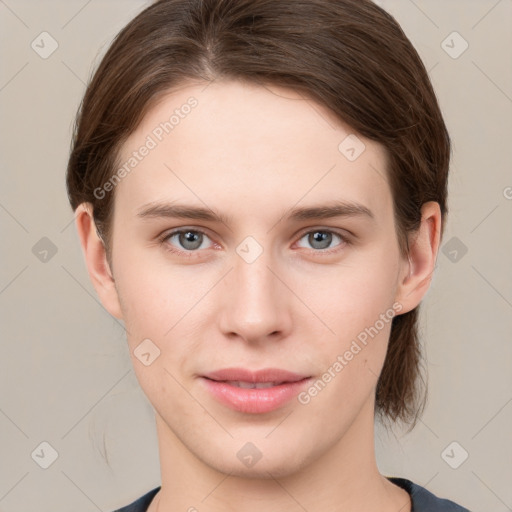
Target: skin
[[253, 153]]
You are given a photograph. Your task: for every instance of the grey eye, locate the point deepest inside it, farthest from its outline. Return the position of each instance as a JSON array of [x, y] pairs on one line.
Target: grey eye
[[188, 240], [321, 239]]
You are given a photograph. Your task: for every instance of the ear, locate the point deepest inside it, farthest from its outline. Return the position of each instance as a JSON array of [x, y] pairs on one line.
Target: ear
[[96, 260], [416, 274]]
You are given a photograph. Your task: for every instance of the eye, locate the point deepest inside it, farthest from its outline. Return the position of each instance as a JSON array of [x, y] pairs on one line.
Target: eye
[[187, 240], [321, 239]]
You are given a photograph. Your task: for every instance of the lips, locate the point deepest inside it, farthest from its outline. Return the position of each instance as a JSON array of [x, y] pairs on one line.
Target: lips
[[254, 392]]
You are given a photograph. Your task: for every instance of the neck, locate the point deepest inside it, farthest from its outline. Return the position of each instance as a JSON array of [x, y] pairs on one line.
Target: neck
[[344, 477]]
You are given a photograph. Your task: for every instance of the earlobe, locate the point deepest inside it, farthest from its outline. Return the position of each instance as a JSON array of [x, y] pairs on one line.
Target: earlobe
[[95, 256], [423, 248]]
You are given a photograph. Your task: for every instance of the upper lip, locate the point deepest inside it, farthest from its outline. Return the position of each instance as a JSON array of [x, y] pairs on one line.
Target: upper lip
[[264, 375]]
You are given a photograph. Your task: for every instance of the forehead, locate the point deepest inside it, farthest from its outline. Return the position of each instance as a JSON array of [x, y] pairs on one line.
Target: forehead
[[252, 143]]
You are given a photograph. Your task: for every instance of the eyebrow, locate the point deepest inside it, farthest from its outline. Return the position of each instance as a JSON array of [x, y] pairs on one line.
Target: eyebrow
[[325, 211]]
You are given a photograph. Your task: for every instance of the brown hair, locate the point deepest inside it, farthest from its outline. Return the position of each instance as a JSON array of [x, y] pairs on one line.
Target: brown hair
[[349, 55]]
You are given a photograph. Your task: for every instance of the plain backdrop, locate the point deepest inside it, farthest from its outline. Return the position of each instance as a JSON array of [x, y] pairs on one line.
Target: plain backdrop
[[67, 388]]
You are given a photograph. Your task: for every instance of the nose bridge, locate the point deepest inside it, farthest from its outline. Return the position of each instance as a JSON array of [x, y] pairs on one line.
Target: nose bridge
[[255, 304]]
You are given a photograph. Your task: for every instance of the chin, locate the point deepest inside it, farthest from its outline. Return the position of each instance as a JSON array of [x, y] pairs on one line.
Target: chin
[[259, 471], [279, 465]]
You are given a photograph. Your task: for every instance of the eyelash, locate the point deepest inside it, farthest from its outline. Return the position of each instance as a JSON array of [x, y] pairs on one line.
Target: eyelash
[[191, 253]]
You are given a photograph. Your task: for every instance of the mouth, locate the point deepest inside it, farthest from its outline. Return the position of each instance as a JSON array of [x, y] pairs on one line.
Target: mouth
[[255, 395]]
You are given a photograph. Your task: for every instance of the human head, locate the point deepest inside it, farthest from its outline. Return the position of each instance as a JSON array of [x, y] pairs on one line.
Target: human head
[[347, 55]]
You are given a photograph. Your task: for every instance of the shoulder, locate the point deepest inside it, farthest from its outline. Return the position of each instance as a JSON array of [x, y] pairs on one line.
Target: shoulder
[[424, 501], [141, 504]]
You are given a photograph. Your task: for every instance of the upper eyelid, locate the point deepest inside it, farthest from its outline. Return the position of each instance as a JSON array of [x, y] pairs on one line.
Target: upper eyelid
[[343, 234]]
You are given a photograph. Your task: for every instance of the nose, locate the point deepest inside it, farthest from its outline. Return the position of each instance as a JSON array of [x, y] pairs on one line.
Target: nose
[[256, 302]]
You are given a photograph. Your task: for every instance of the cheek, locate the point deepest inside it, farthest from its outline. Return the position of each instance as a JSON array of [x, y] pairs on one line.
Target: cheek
[[165, 305], [151, 296], [360, 314], [154, 311], [351, 296], [356, 302]]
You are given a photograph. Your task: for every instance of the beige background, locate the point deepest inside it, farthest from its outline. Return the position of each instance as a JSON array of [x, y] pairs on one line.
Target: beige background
[[65, 374]]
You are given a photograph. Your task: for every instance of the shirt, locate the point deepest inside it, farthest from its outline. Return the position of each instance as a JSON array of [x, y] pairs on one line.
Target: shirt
[[422, 500]]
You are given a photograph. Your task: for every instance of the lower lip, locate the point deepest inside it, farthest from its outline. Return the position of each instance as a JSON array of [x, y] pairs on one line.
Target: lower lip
[[255, 401]]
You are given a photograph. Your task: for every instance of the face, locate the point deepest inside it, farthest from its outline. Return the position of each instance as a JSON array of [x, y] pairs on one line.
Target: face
[[266, 280]]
